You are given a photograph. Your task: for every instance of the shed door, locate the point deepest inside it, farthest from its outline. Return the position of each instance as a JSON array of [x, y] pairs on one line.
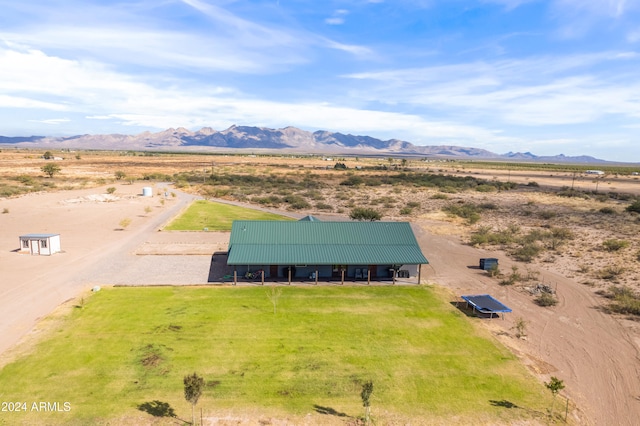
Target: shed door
[[35, 246]]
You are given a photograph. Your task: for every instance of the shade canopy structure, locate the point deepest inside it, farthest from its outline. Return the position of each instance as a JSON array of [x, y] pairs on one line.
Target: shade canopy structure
[[323, 243], [313, 250], [486, 304]]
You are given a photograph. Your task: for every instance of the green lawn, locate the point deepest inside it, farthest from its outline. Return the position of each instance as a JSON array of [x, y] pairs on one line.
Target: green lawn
[[132, 346], [217, 217]]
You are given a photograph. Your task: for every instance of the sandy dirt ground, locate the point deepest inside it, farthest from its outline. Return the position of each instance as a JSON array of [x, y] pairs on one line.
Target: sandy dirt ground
[[596, 354]]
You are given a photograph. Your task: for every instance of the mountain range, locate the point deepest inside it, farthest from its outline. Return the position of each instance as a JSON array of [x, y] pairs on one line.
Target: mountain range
[[262, 140]]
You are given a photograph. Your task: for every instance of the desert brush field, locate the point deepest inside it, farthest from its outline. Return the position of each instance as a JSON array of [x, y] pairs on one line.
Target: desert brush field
[[568, 245]]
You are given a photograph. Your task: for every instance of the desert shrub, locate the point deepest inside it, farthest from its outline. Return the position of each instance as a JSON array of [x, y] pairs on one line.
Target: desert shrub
[[271, 200], [486, 188], [533, 184], [607, 210], [413, 204], [352, 181], [296, 202], [484, 235], [111, 190], [314, 194], [634, 207], [5, 211], [625, 300], [558, 236], [439, 196], [24, 179], [323, 206], [340, 166], [160, 177], [470, 212], [610, 272], [547, 214], [405, 211], [527, 252], [614, 245], [488, 206], [513, 277], [494, 271], [546, 299], [365, 213], [448, 190]]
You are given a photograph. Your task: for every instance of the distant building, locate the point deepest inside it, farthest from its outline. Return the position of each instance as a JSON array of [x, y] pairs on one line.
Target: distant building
[[41, 244], [594, 172]]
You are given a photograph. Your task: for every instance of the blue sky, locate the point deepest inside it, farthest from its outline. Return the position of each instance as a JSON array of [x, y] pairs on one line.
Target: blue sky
[[549, 77]]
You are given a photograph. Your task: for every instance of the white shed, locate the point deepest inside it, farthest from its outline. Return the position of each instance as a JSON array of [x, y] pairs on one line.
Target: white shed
[[44, 244]]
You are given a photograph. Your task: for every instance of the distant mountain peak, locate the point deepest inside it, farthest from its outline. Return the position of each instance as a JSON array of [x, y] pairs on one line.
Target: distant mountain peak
[[288, 139]]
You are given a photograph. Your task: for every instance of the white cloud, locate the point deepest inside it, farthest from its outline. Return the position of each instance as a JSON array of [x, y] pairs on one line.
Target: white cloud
[[52, 121]]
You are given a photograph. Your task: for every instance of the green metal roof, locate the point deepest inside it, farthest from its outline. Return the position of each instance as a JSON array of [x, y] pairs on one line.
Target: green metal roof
[[323, 243]]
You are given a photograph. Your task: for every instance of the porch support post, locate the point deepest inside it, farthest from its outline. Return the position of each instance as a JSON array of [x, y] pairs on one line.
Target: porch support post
[[289, 275], [368, 276], [419, 273], [342, 272], [235, 276], [316, 274]]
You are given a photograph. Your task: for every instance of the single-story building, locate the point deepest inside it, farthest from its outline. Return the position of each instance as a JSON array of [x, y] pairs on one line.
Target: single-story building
[[43, 244], [312, 250]]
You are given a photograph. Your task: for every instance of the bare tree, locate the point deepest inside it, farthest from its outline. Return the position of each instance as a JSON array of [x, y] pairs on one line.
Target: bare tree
[[273, 294]]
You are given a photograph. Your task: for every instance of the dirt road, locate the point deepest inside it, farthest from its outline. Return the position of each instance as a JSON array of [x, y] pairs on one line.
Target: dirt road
[[92, 241]]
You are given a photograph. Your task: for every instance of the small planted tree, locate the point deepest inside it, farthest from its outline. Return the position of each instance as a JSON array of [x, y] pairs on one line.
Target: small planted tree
[[521, 328], [124, 223], [273, 294], [365, 395], [193, 385], [120, 175], [555, 385], [50, 169]]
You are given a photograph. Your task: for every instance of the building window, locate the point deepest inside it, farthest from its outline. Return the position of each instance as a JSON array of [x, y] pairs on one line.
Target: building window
[[43, 243], [25, 243]]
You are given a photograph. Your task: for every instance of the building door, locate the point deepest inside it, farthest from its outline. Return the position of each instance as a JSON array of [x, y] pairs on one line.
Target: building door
[[35, 246], [373, 271], [273, 271]]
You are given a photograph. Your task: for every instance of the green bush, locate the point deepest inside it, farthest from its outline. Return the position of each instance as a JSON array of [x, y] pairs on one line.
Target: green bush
[[527, 252], [324, 206], [470, 212], [405, 211], [615, 245], [439, 196], [296, 202], [546, 299], [365, 213], [634, 207], [607, 210], [625, 300]]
